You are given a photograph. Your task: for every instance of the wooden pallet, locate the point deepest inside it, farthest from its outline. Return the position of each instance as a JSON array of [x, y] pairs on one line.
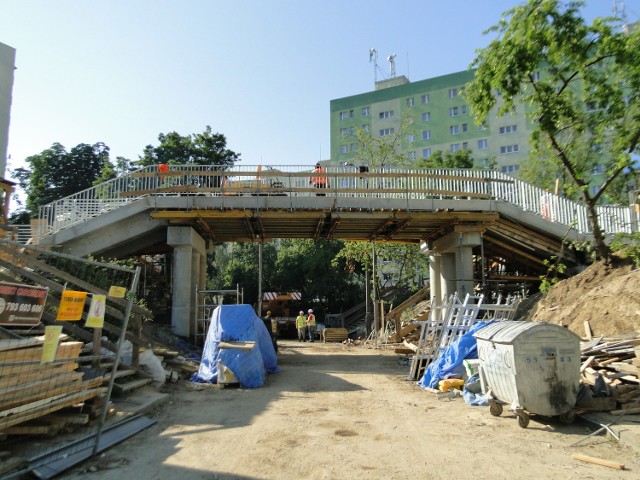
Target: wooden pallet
[[334, 334]]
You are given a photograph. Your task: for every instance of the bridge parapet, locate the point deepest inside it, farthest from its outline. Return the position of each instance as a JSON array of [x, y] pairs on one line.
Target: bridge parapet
[[344, 181]]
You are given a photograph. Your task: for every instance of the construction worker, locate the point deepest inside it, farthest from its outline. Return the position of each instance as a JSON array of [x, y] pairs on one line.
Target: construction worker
[[319, 180], [311, 325], [301, 322], [268, 322]]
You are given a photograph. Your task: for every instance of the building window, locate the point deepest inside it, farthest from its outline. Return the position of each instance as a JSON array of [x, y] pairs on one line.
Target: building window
[[411, 155], [506, 149], [343, 115], [411, 102], [598, 169], [365, 128], [426, 134], [453, 92], [508, 129], [424, 98], [352, 147], [387, 131], [365, 111], [454, 147], [411, 138], [453, 111], [465, 145], [482, 127], [426, 116], [510, 168], [343, 132], [465, 127], [454, 129], [426, 152], [483, 144], [350, 113], [343, 149], [387, 114], [352, 131], [463, 109], [535, 75]]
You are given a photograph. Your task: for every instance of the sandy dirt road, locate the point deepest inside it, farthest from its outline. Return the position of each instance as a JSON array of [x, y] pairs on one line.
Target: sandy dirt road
[[347, 413]]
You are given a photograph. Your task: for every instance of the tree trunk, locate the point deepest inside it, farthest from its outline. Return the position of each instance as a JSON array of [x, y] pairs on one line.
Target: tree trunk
[[602, 249]]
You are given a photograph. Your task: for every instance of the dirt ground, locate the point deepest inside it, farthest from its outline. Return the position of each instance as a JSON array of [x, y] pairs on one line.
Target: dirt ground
[[608, 297], [337, 412]]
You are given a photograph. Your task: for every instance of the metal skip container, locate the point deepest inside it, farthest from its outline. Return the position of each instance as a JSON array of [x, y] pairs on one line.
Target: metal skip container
[[532, 366]]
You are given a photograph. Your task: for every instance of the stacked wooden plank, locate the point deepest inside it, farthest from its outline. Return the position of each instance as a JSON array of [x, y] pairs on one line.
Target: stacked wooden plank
[[612, 367], [334, 334], [30, 389]]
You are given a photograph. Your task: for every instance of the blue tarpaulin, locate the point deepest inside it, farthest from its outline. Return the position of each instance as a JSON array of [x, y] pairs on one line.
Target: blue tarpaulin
[[237, 323], [449, 363]]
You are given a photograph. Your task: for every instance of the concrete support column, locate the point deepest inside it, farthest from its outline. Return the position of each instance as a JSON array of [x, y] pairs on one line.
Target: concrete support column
[[447, 274], [434, 278], [464, 271], [188, 250], [456, 264]]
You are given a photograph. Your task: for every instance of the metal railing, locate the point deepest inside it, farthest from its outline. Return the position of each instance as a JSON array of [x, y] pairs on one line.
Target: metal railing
[[295, 181]]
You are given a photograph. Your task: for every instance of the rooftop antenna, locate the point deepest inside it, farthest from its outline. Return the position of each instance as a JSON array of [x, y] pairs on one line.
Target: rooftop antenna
[[373, 57], [620, 12], [392, 65]]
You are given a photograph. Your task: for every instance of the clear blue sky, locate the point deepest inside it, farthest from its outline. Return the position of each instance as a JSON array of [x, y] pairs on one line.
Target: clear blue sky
[[260, 72]]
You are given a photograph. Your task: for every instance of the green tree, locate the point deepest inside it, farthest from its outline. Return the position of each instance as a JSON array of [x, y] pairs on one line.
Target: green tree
[[207, 148], [586, 94], [379, 151], [55, 173], [439, 159], [289, 265]]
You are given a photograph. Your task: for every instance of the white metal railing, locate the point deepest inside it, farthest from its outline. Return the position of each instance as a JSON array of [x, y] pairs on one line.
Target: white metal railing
[[294, 181]]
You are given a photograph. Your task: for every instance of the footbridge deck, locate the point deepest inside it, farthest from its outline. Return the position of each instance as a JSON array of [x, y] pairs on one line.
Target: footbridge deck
[[455, 216]]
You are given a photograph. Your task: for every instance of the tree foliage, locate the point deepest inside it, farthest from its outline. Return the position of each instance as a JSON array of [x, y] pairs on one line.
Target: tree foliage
[[289, 265], [383, 151], [55, 173], [207, 148], [440, 159], [580, 84]]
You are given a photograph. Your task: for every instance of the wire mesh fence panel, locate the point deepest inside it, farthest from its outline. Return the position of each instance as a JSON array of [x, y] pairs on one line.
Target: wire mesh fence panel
[[63, 324]]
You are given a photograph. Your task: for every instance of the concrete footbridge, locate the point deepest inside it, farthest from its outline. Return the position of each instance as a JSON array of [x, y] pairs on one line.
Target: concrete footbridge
[[459, 217]]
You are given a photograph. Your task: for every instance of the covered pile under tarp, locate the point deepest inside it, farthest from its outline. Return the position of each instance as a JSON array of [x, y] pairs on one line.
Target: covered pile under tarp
[[449, 363], [237, 323]]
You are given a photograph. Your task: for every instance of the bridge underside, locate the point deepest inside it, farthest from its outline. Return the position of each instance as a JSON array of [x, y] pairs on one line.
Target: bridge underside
[[498, 242], [520, 247]]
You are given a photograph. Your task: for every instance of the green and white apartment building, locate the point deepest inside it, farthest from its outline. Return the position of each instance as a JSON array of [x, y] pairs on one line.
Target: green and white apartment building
[[439, 120]]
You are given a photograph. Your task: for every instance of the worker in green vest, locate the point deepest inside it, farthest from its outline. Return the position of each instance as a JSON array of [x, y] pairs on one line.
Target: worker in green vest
[[301, 325], [311, 325]]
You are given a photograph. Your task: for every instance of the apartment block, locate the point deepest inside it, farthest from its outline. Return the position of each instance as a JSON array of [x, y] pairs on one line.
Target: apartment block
[[427, 116]]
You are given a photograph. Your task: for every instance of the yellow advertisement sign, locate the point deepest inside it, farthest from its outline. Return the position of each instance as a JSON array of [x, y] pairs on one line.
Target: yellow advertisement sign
[[71, 306], [50, 346], [96, 311], [117, 292]]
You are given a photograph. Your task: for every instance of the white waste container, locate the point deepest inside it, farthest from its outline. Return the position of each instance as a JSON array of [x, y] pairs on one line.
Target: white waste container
[[534, 367]]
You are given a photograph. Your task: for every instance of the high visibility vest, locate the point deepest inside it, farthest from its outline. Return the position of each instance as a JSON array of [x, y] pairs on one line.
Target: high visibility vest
[[311, 320], [300, 321], [319, 180]]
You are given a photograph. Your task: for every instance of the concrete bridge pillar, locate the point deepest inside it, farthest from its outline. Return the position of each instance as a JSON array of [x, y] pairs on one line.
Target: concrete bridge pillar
[[451, 265], [189, 256]]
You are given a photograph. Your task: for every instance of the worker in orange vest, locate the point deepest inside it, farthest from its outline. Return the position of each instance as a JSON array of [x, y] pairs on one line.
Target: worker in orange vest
[[311, 325], [319, 180]]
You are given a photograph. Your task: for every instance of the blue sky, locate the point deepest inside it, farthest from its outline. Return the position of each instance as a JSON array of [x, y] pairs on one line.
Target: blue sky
[[260, 72]]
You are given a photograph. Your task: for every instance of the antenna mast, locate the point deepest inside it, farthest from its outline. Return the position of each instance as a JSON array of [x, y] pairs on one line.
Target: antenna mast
[[620, 12], [373, 57], [392, 65]]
